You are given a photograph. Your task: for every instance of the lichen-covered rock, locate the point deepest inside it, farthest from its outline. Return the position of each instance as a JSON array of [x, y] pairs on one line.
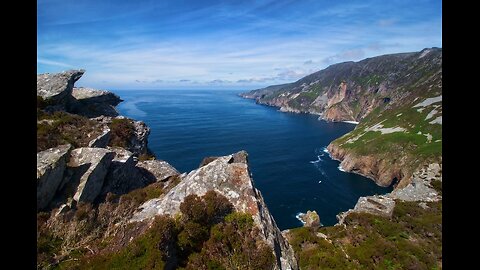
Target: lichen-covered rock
[[123, 176], [58, 87], [138, 143], [51, 165], [88, 167], [377, 205], [93, 103], [232, 180], [310, 219], [102, 140], [419, 189], [156, 170]]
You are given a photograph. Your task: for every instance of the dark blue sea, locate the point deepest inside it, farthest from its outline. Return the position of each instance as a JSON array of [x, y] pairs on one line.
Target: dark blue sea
[[286, 150]]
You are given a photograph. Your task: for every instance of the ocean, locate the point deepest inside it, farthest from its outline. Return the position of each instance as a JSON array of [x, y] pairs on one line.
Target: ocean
[[287, 155]]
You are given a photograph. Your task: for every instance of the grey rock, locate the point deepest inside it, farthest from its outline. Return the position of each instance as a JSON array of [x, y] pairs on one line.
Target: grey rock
[[310, 219], [102, 140], [232, 180], [51, 165], [88, 167], [206, 160], [123, 176], [157, 170], [241, 157], [93, 103], [420, 187], [377, 205], [57, 87]]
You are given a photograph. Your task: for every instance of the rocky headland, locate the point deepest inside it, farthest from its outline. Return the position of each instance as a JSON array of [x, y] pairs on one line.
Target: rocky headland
[[101, 192]]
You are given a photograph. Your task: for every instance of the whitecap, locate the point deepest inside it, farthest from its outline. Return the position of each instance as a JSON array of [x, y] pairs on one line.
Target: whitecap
[[340, 168], [298, 217]]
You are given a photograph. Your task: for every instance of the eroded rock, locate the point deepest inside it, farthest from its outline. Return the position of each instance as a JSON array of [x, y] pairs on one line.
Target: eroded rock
[[377, 205], [88, 168], [232, 180], [93, 103], [156, 170], [51, 165], [310, 219]]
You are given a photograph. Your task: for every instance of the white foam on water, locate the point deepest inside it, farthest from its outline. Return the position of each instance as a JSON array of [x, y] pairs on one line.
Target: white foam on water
[[298, 217], [340, 168]]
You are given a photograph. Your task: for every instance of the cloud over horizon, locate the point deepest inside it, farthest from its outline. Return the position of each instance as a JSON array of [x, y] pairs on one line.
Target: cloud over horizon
[[219, 44]]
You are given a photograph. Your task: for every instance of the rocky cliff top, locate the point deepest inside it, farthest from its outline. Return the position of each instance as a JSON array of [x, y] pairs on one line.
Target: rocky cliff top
[[230, 177], [52, 85]]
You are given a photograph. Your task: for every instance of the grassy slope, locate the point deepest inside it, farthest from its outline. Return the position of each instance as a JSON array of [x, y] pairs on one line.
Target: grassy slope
[[411, 239]]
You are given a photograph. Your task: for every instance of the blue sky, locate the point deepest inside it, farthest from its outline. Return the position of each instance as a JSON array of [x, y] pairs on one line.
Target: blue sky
[[147, 44]]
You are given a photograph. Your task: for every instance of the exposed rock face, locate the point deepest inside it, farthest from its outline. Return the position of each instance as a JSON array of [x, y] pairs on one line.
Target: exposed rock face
[[376, 205], [380, 171], [420, 187], [138, 143], [102, 140], [232, 180], [57, 86], [156, 170], [351, 90], [51, 165], [93, 103], [123, 176], [88, 168], [310, 219]]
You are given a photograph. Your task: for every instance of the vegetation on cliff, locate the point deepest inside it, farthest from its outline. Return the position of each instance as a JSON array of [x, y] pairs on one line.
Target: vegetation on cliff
[[60, 127], [410, 239], [207, 235]]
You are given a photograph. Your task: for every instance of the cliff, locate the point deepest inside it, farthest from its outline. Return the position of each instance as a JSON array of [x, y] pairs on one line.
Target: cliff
[[397, 100], [100, 191], [350, 91]]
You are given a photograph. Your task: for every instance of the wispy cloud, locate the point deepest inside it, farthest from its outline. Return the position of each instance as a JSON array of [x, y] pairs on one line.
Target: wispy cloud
[[155, 44]]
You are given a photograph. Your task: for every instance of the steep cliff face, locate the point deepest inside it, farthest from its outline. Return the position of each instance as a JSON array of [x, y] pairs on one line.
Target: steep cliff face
[[352, 90], [89, 190], [396, 98], [229, 176]]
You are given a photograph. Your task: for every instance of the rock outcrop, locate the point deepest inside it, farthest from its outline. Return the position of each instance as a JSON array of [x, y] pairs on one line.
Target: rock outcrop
[[87, 170], [138, 143], [123, 176], [369, 166], [101, 140], [420, 187], [376, 205], [310, 219], [93, 103], [231, 178], [156, 170], [57, 86], [51, 166]]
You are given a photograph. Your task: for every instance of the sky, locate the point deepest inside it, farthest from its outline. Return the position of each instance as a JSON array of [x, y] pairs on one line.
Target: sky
[[191, 44]]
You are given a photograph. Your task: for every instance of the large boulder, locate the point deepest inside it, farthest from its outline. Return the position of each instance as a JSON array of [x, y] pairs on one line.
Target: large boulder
[[157, 170], [93, 103], [232, 180], [123, 176], [51, 165], [88, 168], [57, 87]]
